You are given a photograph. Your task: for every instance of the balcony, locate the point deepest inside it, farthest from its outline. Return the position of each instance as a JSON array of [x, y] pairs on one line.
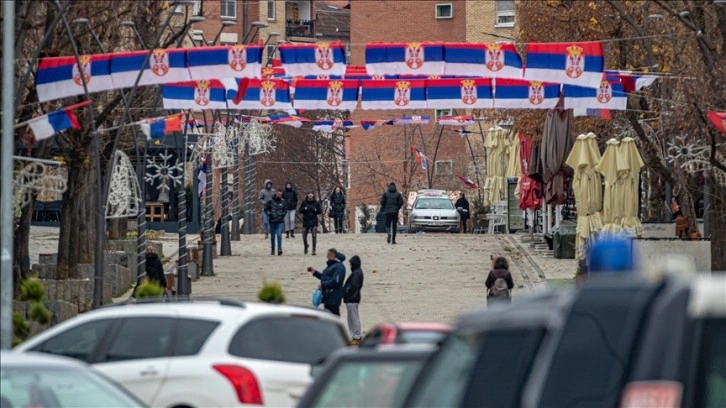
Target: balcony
[[300, 28]]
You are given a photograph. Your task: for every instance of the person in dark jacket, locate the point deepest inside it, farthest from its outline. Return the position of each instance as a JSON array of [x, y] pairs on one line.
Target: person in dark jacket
[[265, 196], [351, 297], [310, 209], [391, 203], [331, 281], [499, 283], [462, 206], [275, 210], [337, 209], [155, 269], [290, 197]]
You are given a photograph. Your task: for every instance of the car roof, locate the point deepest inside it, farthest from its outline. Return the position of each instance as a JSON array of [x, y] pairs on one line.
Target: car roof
[[11, 358], [405, 351], [417, 326]]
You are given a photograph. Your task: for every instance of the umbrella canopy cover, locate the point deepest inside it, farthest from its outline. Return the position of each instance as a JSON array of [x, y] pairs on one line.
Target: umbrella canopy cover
[[630, 221], [585, 181], [614, 169]]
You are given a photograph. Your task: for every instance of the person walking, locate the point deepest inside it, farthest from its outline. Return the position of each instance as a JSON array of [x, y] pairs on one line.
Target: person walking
[[351, 297], [331, 281], [290, 197], [391, 203], [154, 268], [310, 209], [265, 196], [337, 209], [462, 206], [499, 282], [275, 210]]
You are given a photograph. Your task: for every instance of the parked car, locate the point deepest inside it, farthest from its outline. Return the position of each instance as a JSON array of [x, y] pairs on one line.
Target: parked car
[[627, 341], [40, 380], [433, 210], [403, 333], [200, 353], [357, 377]]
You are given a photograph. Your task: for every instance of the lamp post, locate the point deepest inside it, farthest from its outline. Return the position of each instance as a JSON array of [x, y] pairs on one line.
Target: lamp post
[[256, 25], [132, 25]]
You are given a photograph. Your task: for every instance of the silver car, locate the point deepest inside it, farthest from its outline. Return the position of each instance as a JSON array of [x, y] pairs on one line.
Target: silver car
[[433, 211]]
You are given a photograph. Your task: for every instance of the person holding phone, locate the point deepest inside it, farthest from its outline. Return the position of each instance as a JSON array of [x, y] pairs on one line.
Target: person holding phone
[[331, 280]]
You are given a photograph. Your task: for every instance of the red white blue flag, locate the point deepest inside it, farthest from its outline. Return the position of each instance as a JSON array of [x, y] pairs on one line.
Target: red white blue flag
[[393, 94], [60, 77], [414, 58], [609, 95], [255, 93], [289, 120], [633, 82], [47, 125], [334, 94], [332, 125], [229, 61], [459, 93], [158, 127], [272, 72], [372, 124], [204, 94], [411, 120], [313, 59], [469, 183], [420, 158], [466, 120], [566, 63], [521, 94], [164, 66], [718, 120], [492, 60]]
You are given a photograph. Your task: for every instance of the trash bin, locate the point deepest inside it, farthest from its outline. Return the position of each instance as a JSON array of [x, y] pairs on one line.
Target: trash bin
[[564, 240]]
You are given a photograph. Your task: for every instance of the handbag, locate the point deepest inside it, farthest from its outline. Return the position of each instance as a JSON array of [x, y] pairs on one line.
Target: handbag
[[330, 213], [317, 297]]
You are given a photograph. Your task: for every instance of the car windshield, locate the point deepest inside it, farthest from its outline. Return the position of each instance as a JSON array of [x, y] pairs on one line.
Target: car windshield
[[441, 203], [368, 384], [421, 336], [42, 386]]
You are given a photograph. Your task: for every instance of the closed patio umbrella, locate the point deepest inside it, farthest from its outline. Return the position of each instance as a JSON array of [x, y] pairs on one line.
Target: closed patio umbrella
[[585, 182], [630, 221], [496, 144], [614, 169]]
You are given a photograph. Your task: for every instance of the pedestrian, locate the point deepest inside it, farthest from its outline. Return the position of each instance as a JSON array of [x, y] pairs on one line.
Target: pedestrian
[[154, 268], [310, 209], [290, 197], [275, 210], [462, 206], [499, 283], [391, 203], [337, 209], [351, 297], [331, 281], [265, 196]]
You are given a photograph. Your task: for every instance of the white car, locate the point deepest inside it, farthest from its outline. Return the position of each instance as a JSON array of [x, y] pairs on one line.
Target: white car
[[200, 353], [433, 211]]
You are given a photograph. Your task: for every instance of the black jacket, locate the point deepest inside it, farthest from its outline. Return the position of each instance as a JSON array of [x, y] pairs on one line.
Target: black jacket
[[310, 211], [464, 205], [331, 280], [354, 283], [495, 274], [155, 269], [337, 204], [392, 200], [290, 197], [276, 210]]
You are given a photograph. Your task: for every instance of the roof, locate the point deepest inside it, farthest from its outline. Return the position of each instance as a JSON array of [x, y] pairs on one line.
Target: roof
[[11, 358], [333, 23], [419, 326]]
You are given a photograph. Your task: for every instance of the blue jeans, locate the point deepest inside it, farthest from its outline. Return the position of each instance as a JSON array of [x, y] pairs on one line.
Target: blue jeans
[[276, 230], [265, 223]]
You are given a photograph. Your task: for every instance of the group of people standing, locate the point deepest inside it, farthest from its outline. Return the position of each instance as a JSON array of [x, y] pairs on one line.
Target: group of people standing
[[280, 207]]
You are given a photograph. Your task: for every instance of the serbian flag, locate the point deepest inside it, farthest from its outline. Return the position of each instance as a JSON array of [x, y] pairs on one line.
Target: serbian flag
[[469, 183], [459, 93], [332, 125], [414, 58], [60, 77], [313, 59], [372, 124], [289, 120], [566, 63], [718, 119], [204, 94], [255, 93], [633, 82], [420, 158], [500, 60], [521, 94], [47, 125], [158, 127], [272, 72], [411, 120], [466, 120], [609, 95], [164, 66], [334, 94], [599, 113], [393, 94], [229, 61]]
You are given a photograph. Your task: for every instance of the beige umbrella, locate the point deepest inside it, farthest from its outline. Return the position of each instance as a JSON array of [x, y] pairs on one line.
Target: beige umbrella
[[614, 169], [630, 221], [513, 167], [496, 164], [596, 184], [583, 160]]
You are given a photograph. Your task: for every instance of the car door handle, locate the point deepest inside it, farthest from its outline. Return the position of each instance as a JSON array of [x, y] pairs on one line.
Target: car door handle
[[149, 371]]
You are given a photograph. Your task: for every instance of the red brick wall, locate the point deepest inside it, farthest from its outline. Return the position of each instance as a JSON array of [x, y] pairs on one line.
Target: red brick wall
[[212, 24]]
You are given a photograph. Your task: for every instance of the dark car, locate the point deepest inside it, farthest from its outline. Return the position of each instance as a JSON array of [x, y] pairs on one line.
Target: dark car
[[366, 377], [627, 342]]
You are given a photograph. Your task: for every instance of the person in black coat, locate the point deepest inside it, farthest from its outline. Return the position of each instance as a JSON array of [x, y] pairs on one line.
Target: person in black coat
[[499, 282], [391, 203], [337, 209], [310, 209], [351, 297], [331, 281], [155, 269], [462, 206], [290, 197], [276, 210]]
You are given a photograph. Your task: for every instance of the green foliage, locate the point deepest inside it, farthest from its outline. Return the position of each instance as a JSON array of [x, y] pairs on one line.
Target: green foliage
[[21, 327], [479, 207], [149, 289], [39, 313], [366, 220], [31, 289], [271, 292]]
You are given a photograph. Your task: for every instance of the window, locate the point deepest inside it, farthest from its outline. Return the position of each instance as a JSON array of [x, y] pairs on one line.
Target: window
[[421, 337], [141, 338], [271, 10], [505, 13], [711, 382], [78, 342], [433, 204], [290, 339], [438, 113], [191, 336], [444, 167], [444, 11], [228, 8], [372, 339]]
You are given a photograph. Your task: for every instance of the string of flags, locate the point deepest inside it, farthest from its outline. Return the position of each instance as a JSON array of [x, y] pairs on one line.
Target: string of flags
[[47, 125], [420, 157], [468, 182]]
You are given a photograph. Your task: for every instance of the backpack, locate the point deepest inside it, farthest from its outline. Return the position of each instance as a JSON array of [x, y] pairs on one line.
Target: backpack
[[499, 289]]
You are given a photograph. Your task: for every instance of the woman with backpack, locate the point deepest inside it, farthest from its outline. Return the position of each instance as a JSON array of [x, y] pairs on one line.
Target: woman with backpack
[[499, 283]]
